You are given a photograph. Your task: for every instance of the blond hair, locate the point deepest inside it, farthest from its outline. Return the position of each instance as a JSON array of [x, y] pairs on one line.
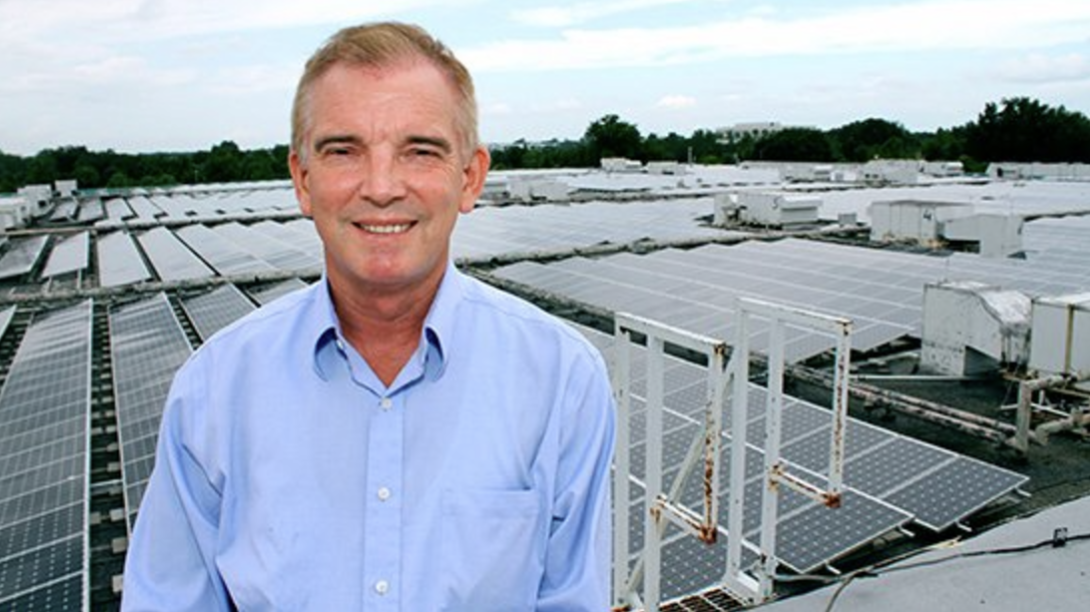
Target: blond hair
[[380, 45]]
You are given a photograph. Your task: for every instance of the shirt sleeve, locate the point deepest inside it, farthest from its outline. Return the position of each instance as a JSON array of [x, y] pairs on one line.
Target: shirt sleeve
[[170, 562], [577, 565]]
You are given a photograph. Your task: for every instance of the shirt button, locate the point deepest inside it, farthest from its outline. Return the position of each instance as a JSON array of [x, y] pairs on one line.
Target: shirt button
[[382, 587], [383, 494], [386, 403]]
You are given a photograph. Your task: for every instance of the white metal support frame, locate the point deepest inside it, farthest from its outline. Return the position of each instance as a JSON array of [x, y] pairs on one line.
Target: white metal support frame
[[705, 449], [736, 579]]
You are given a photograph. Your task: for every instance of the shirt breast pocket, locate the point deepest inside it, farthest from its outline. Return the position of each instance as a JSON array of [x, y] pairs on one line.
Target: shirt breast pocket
[[493, 549]]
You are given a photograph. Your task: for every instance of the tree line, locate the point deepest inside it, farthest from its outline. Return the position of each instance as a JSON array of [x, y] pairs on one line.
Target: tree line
[[1016, 129]]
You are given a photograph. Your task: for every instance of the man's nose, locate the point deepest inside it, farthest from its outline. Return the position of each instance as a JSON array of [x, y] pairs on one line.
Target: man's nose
[[382, 181]]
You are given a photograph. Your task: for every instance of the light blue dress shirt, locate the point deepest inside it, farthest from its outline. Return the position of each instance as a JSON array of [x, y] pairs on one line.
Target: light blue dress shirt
[[288, 477]]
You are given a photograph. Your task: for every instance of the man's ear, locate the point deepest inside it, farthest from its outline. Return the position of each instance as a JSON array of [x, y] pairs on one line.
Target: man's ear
[[475, 173], [299, 172]]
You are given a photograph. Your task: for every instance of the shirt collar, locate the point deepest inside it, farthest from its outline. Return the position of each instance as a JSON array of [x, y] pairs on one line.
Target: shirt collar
[[329, 347]]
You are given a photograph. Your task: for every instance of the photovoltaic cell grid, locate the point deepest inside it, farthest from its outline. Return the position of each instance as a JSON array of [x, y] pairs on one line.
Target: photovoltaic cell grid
[[222, 254], [299, 234], [548, 228], [6, 316], [22, 255], [69, 255], [91, 211], [116, 210], [144, 209], [216, 309], [891, 480], [148, 345], [281, 255], [266, 294], [881, 291], [44, 411], [119, 260], [171, 259]]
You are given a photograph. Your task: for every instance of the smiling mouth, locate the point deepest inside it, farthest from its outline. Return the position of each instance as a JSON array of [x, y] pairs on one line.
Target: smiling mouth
[[397, 228]]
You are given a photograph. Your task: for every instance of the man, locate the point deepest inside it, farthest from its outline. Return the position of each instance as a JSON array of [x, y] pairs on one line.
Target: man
[[398, 436]]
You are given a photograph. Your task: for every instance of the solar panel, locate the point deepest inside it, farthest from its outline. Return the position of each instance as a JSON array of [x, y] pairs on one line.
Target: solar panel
[[68, 256], [220, 253], [279, 254], [299, 234], [890, 480], [148, 345], [268, 293], [22, 255], [119, 261], [43, 464], [171, 259], [544, 228], [91, 211], [144, 209], [6, 315], [217, 309], [117, 209]]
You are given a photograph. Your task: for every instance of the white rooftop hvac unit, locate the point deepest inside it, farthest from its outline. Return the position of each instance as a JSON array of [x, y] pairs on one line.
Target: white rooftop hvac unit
[[777, 209], [972, 328], [915, 220], [1061, 336]]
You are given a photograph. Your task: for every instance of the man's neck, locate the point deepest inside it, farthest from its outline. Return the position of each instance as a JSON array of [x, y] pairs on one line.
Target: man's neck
[[385, 327]]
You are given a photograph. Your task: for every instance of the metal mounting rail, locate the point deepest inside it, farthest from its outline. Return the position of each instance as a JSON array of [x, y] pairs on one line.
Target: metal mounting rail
[[723, 378]]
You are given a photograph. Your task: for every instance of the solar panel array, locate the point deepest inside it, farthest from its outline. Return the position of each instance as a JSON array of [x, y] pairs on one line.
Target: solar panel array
[[492, 231], [171, 259], [119, 261], [881, 291], [891, 480], [281, 255], [44, 459], [267, 293], [69, 255], [148, 345], [217, 309], [22, 255], [223, 255]]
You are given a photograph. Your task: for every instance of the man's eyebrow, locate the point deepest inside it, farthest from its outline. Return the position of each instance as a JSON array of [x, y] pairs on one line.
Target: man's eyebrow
[[325, 141]]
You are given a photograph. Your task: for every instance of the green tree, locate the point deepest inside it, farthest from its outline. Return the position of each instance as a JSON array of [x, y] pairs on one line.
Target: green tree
[[223, 164], [872, 138], [1026, 130], [612, 137], [795, 144]]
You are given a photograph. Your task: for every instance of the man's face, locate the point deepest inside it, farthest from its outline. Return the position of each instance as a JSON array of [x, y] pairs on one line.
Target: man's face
[[384, 175]]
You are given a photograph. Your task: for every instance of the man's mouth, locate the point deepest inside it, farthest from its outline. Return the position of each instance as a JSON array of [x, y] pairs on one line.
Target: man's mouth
[[386, 228]]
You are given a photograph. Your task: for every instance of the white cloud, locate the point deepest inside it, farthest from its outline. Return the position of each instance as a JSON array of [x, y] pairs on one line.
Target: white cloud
[[676, 102], [1041, 68], [933, 25], [122, 20], [562, 16]]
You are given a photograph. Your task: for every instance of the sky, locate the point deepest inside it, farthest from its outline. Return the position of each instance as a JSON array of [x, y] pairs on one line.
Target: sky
[[184, 75]]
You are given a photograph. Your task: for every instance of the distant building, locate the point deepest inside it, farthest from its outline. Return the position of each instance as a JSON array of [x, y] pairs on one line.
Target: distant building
[[755, 130]]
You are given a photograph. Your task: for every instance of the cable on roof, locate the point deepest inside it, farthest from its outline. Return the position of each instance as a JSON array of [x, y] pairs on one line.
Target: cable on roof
[[1060, 538]]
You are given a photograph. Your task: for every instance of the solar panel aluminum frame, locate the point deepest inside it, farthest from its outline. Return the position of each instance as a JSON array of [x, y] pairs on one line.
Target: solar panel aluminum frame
[[84, 534], [130, 508]]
